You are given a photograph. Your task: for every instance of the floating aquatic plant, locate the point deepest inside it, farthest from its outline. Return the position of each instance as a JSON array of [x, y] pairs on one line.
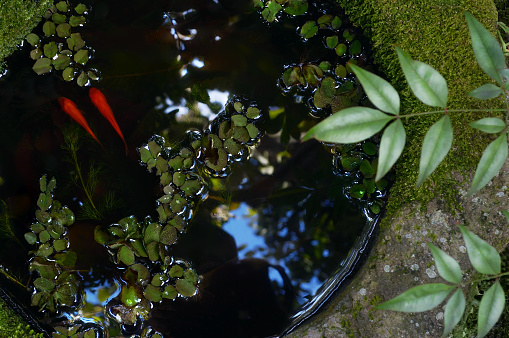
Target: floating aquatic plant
[[56, 285], [271, 9], [60, 47]]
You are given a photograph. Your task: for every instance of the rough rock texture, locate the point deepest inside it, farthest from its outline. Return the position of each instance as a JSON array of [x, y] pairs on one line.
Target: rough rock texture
[[435, 32]]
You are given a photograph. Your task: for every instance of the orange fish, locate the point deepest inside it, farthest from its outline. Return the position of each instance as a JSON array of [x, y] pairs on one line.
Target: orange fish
[[69, 107], [99, 100]]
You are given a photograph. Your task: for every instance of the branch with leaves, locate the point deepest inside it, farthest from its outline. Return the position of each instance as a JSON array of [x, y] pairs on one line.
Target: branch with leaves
[[485, 259], [356, 124]]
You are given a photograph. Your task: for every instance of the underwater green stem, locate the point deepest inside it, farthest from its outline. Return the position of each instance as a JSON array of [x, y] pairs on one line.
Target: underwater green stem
[[10, 277]]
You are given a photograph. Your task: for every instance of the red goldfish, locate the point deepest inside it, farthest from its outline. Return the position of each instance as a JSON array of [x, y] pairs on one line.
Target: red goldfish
[[99, 100], [69, 107]]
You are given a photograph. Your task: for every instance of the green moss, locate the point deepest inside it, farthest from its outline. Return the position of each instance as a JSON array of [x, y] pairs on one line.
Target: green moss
[[434, 32], [11, 325], [356, 309], [17, 19]]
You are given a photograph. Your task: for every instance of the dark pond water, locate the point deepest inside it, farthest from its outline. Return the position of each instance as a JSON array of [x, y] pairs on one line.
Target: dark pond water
[[251, 231]]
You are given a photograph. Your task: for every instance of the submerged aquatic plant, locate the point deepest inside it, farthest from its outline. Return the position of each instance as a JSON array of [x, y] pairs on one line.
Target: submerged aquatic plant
[[59, 47]]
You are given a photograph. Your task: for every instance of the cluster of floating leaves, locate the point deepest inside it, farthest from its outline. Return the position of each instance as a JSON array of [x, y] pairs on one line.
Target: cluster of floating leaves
[[358, 162], [271, 9], [75, 331], [330, 87], [56, 285], [59, 47], [152, 274]]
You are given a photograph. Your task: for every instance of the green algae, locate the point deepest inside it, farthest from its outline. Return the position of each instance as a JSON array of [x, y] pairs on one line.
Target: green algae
[[11, 325], [17, 19]]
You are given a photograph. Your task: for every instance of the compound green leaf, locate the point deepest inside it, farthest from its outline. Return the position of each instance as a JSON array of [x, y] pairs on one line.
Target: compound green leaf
[[490, 125], [418, 299], [484, 257], [436, 145], [491, 307], [448, 268], [379, 91], [391, 147], [428, 85], [349, 125], [486, 91], [490, 163], [487, 51], [453, 311]]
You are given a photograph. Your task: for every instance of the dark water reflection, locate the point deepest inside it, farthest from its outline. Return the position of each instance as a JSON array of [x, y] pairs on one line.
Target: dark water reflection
[[154, 58]]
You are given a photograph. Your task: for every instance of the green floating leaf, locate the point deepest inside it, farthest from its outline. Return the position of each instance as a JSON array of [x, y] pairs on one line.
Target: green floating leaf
[[64, 30], [391, 147], [447, 267], [68, 74], [490, 125], [126, 255], [487, 51], [436, 145], [153, 293], [185, 287], [454, 310], [357, 190], [336, 23], [331, 41], [170, 292], [35, 53], [490, 309], [44, 201], [81, 56], [76, 21], [62, 6], [152, 232], [269, 13], [380, 92], [340, 71], [33, 39], [486, 91], [50, 49], [428, 85], [418, 299], [43, 284], [48, 28], [491, 161], [82, 79], [58, 18], [31, 238], [66, 259], [176, 271], [61, 62], [482, 255], [341, 49], [355, 47], [309, 29], [350, 125], [75, 42], [81, 9], [239, 120], [296, 7]]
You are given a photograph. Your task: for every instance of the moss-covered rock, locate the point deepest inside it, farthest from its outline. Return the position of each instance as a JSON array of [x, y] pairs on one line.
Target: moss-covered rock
[[17, 19], [11, 325], [435, 32]]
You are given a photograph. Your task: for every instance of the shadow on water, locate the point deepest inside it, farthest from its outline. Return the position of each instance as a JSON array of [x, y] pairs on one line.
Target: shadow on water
[[273, 240]]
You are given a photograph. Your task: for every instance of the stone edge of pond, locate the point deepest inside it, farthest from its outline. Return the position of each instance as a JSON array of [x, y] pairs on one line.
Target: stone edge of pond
[[17, 19], [434, 32]]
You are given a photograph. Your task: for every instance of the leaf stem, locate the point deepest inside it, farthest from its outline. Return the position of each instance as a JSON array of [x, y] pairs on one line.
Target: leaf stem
[[490, 277], [454, 111]]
